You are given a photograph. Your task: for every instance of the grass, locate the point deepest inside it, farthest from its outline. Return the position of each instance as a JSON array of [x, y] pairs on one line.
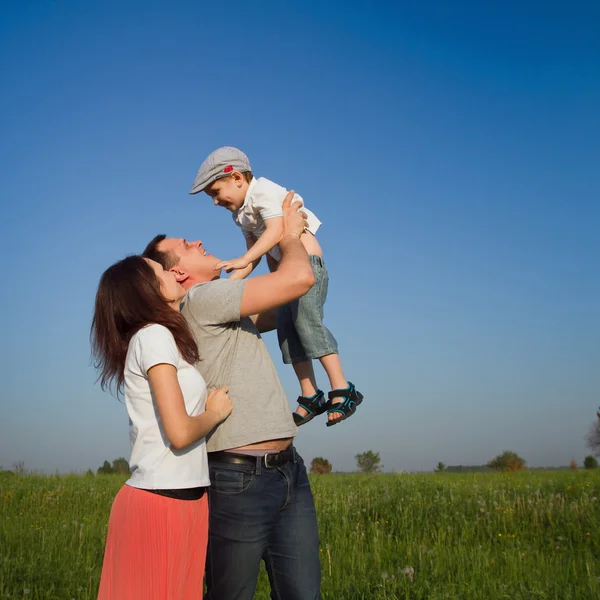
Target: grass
[[438, 536]]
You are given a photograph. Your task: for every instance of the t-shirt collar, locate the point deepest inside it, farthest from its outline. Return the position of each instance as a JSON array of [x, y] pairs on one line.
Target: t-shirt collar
[[249, 191]]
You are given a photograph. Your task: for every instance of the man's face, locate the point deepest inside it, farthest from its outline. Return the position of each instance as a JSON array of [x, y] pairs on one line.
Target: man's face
[[193, 258], [229, 192]]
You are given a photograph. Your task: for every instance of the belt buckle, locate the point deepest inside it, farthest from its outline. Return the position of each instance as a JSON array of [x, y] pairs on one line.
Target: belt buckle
[[266, 460]]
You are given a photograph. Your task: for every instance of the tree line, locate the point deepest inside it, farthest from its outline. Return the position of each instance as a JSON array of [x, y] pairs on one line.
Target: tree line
[[507, 461], [119, 465], [370, 461]]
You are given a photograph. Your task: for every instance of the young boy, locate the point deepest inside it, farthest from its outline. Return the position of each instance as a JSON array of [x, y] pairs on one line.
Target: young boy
[[227, 178]]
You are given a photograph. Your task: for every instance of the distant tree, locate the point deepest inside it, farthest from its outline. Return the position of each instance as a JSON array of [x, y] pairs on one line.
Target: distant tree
[[573, 465], [507, 461], [105, 469], [120, 465], [19, 467], [589, 462], [467, 468], [89, 473], [441, 467], [320, 466], [593, 436], [369, 462]]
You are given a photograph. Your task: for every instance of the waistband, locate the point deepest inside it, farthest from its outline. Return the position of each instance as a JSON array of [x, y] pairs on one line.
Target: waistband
[[270, 460], [316, 260], [181, 494]]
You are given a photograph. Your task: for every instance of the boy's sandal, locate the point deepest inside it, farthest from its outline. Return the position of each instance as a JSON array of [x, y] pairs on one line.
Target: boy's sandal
[[346, 408], [313, 405]]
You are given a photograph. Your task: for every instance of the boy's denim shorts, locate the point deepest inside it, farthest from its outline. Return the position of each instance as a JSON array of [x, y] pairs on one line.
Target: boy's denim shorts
[[302, 335]]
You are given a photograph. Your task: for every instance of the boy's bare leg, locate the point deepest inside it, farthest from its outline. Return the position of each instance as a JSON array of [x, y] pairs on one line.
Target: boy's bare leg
[[333, 367], [308, 383]]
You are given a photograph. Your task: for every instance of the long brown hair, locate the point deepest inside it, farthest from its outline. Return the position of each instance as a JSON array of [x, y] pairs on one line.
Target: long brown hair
[[129, 298]]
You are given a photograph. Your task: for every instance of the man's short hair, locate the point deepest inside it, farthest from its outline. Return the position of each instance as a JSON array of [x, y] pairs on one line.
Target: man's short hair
[[168, 260]]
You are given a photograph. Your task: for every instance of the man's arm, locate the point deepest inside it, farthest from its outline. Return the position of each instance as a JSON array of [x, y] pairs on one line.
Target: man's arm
[[294, 276], [266, 321], [272, 263]]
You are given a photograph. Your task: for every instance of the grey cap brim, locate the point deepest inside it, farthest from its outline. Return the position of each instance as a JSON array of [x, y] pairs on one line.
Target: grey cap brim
[[197, 188], [219, 164], [203, 180]]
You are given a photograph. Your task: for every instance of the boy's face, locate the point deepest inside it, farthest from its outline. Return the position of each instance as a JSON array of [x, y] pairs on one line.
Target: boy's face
[[229, 192]]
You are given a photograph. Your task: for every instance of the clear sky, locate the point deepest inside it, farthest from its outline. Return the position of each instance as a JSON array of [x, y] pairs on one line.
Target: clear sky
[[451, 150]]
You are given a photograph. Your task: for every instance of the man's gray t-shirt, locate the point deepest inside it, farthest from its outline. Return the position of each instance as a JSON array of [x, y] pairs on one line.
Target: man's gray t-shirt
[[233, 354]]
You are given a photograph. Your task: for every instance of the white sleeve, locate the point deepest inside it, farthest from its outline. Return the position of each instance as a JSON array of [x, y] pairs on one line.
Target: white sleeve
[[267, 199], [155, 346]]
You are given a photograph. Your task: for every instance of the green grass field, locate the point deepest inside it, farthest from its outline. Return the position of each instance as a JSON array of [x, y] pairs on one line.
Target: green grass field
[[438, 536]]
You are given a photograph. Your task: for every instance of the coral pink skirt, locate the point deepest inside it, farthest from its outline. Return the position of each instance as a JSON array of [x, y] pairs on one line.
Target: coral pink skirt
[[155, 547]]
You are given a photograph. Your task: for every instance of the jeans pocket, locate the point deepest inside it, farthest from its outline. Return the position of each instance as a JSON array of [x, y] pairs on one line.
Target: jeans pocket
[[229, 481]]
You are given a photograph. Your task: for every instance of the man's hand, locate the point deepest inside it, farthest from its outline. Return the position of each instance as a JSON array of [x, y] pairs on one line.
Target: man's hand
[[294, 220], [232, 265]]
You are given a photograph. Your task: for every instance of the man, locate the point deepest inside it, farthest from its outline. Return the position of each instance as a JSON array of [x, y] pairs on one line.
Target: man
[[261, 504]]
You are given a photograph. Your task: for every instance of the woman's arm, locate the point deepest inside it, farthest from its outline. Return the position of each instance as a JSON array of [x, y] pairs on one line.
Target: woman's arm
[[181, 429]]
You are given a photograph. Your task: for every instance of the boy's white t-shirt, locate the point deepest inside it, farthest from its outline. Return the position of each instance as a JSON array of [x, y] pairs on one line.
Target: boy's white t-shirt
[[263, 201], [154, 464]]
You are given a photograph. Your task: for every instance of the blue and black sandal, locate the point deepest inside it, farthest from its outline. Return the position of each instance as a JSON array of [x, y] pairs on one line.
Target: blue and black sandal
[[346, 408], [313, 405]]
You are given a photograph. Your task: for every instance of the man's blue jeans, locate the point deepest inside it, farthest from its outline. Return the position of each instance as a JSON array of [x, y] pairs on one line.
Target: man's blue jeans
[[259, 513]]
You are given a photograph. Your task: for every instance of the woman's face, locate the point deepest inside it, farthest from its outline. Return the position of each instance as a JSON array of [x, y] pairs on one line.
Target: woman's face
[[171, 289]]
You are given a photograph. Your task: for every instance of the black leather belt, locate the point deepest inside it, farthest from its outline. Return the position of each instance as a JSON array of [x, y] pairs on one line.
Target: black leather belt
[[271, 460], [181, 494]]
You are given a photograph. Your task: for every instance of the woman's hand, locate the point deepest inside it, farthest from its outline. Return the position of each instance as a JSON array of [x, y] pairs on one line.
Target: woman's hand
[[218, 402]]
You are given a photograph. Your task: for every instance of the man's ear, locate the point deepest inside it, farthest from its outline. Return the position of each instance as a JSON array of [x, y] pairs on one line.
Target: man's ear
[[180, 275]]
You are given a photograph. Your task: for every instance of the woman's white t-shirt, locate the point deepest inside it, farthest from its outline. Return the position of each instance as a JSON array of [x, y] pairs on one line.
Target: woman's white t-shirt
[[154, 464]]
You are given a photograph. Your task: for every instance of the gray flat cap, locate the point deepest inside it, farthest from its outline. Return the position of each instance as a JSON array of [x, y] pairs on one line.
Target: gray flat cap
[[220, 163]]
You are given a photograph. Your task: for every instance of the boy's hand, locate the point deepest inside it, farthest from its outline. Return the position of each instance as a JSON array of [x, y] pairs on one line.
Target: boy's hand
[[232, 265], [240, 273]]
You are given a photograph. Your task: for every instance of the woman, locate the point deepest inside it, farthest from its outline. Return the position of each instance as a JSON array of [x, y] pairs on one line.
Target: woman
[[142, 346]]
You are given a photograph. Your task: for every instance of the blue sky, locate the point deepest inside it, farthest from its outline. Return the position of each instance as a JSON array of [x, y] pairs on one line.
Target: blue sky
[[452, 153]]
